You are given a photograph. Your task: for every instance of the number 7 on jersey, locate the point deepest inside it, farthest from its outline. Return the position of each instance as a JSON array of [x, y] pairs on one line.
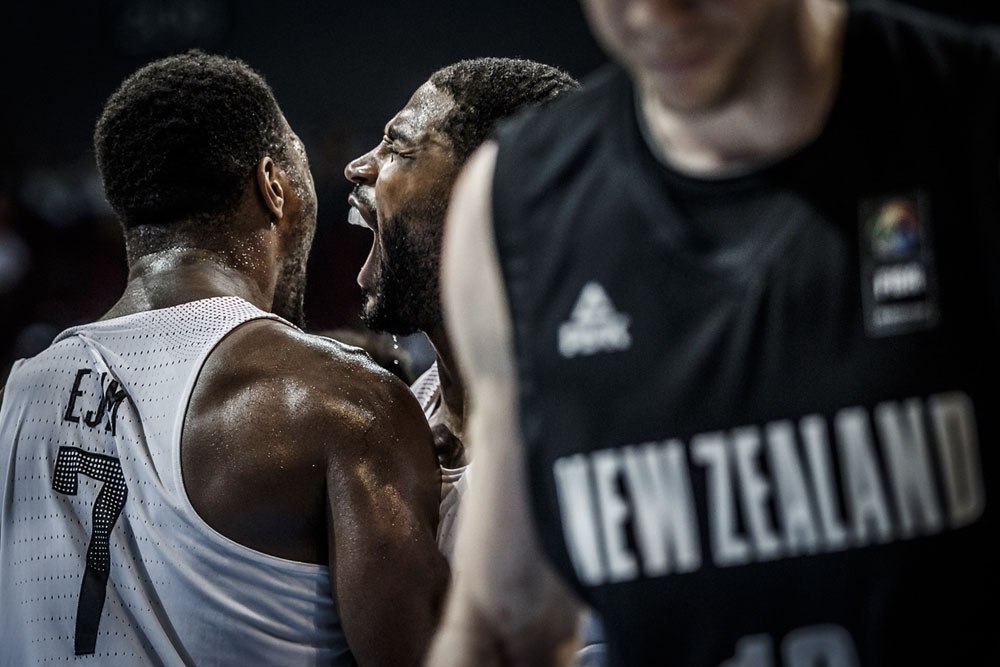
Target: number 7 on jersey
[[70, 464]]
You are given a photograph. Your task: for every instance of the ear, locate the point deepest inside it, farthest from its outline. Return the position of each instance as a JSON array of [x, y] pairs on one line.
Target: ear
[[269, 185]]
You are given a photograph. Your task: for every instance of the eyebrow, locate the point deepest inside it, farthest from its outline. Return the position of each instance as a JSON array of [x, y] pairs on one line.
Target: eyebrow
[[395, 134]]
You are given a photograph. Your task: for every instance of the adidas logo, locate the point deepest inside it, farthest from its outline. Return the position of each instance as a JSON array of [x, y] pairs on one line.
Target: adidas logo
[[594, 325]]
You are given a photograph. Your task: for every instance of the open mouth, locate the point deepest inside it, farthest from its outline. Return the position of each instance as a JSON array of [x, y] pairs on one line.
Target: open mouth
[[362, 213]]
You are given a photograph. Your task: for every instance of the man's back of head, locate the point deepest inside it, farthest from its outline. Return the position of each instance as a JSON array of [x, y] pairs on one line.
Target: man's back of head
[[227, 441], [196, 154], [179, 137]]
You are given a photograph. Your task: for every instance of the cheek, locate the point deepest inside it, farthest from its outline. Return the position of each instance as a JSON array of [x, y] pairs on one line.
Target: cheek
[[392, 191], [606, 20], [379, 244], [403, 194]]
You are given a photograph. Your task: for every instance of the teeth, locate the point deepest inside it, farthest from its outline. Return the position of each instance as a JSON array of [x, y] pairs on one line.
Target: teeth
[[355, 218]]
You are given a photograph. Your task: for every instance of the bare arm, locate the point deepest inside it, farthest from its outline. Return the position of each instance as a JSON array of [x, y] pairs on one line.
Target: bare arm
[[336, 466], [388, 577], [506, 605]]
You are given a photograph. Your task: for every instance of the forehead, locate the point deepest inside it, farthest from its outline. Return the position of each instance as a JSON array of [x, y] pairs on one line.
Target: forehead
[[424, 113]]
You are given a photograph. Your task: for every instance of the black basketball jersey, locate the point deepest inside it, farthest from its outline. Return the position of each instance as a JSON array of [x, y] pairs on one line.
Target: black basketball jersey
[[759, 411]]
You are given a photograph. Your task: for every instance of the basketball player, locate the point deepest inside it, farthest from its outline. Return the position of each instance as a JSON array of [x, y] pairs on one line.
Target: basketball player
[[192, 479], [728, 319], [401, 192]]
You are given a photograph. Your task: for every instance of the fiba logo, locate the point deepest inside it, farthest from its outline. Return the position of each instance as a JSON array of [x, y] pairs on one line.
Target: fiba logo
[[895, 230], [898, 279]]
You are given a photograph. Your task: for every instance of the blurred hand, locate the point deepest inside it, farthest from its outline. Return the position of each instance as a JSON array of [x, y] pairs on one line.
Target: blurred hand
[[450, 450]]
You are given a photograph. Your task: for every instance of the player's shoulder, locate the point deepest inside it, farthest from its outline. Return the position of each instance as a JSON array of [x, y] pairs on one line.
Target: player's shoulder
[[321, 363], [305, 380], [566, 113], [365, 412], [907, 31], [357, 380]]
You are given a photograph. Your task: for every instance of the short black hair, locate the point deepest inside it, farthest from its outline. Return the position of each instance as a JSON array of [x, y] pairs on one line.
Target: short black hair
[[488, 89], [179, 137]]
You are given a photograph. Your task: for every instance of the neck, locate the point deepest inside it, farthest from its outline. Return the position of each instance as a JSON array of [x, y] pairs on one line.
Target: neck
[[171, 277], [452, 388], [782, 103]]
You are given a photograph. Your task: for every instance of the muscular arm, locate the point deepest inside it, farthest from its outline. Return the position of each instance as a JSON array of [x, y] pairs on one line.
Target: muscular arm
[[387, 574], [507, 605], [326, 458]]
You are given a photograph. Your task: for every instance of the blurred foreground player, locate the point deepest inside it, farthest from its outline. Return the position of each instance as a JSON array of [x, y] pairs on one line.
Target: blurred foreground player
[[728, 318]]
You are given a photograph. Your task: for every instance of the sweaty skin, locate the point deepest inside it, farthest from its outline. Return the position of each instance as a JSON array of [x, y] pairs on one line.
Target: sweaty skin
[[348, 487], [401, 191], [299, 447]]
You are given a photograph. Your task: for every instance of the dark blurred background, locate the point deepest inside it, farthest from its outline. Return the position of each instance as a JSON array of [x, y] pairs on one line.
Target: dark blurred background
[[339, 71]]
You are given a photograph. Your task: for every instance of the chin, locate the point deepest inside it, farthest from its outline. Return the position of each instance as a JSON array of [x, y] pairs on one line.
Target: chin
[[377, 320], [701, 89]]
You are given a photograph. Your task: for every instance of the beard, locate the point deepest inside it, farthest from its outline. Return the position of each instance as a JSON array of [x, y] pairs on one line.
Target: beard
[[290, 288], [405, 297], [290, 291]]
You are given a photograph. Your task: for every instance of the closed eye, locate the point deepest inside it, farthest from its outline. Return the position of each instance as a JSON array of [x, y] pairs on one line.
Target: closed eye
[[395, 150]]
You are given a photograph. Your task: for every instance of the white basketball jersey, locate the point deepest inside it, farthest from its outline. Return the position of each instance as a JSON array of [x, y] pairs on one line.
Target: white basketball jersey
[[102, 557], [454, 481]]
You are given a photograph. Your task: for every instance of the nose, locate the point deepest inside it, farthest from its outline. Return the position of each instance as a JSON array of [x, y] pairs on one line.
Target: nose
[[362, 170]]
